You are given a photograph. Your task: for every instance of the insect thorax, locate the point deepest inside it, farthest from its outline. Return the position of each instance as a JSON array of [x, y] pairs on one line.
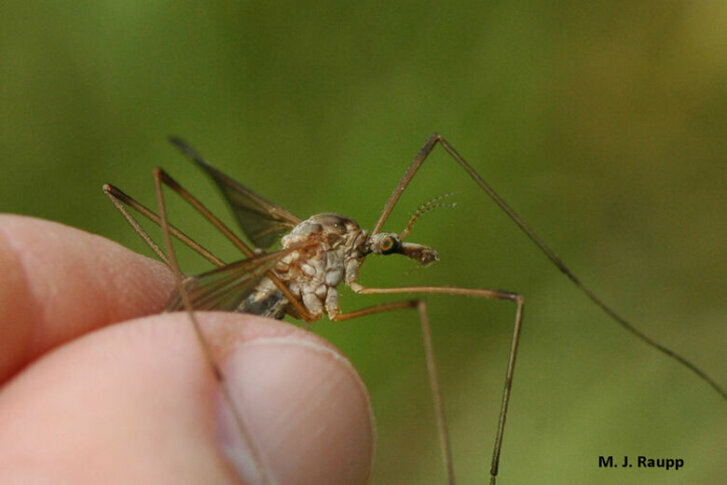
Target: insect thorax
[[330, 250]]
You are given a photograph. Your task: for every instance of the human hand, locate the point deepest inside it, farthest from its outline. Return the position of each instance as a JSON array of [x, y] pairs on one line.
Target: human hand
[[95, 391]]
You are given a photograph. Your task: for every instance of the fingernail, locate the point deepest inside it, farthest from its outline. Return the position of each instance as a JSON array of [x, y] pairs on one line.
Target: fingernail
[[306, 415]]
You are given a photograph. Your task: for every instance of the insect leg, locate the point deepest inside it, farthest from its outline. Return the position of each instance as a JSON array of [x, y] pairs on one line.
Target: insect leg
[[167, 180], [431, 366], [121, 199], [214, 366], [435, 139], [442, 429]]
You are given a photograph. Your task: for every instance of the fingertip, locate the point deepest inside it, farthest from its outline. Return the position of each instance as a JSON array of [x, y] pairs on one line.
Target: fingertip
[[305, 410], [60, 282]]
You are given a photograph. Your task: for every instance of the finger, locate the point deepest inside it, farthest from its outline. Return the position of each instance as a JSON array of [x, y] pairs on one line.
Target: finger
[[59, 283], [137, 403]]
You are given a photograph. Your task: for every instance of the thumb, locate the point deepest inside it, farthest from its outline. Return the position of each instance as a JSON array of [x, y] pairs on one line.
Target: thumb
[[137, 403], [304, 407]]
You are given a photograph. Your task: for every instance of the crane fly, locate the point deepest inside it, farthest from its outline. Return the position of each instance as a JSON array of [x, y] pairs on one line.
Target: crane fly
[[316, 256]]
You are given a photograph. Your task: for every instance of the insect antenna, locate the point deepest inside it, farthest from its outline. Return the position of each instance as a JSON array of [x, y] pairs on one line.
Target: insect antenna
[[428, 206]]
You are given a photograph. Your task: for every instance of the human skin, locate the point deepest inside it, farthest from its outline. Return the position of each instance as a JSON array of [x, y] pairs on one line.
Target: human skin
[[98, 386]]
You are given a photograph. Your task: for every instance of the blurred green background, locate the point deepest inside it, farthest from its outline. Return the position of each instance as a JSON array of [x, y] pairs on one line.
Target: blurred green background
[[602, 123]]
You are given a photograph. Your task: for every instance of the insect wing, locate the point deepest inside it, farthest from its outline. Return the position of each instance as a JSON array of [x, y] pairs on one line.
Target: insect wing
[[262, 221], [225, 288]]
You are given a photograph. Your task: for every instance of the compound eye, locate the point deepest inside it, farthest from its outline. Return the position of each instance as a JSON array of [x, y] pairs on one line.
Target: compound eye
[[389, 245]]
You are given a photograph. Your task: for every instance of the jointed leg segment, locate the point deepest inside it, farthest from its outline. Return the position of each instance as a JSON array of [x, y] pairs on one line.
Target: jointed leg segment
[[120, 199], [429, 354]]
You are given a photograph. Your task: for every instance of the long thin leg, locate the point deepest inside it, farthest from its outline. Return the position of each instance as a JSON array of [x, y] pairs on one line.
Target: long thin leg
[[119, 198], [431, 367], [167, 180], [435, 139], [214, 367], [442, 429], [384, 307], [445, 444]]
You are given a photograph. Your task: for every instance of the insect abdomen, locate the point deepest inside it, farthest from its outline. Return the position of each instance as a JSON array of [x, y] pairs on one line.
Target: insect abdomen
[[271, 305]]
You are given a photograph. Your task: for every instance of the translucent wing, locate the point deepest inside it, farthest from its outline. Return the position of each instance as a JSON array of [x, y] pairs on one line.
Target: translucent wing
[[226, 287], [262, 221]]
